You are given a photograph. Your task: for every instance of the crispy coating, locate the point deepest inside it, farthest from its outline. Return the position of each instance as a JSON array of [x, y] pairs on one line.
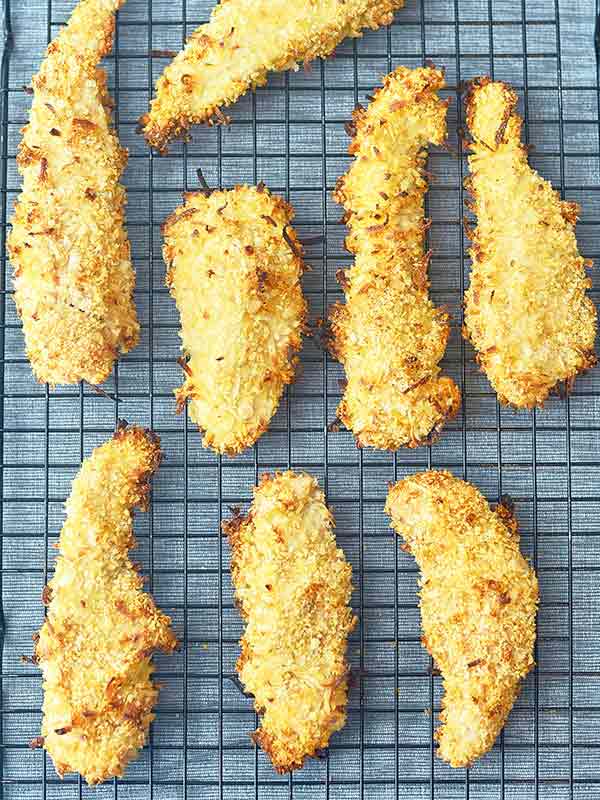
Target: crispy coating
[[293, 587], [244, 40], [478, 604], [389, 335], [234, 271], [526, 311], [95, 646], [68, 246]]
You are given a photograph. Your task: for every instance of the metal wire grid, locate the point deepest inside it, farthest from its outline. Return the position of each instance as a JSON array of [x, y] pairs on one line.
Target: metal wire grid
[[290, 134]]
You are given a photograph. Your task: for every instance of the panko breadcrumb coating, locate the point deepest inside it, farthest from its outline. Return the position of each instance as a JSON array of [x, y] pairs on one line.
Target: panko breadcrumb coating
[[293, 587], [68, 246], [526, 310], [244, 40], [478, 604], [234, 271], [95, 647], [389, 335]]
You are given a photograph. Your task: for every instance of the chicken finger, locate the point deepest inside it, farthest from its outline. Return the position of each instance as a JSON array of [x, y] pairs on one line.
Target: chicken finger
[[70, 254], [526, 310], [478, 604], [293, 587], [243, 41], [234, 271], [389, 335], [95, 647]]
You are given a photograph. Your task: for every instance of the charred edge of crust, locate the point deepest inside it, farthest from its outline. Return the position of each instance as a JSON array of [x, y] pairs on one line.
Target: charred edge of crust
[[505, 511], [265, 741], [125, 430], [571, 211], [326, 335], [430, 439], [360, 114], [36, 743], [137, 434], [507, 502], [510, 94], [240, 446], [46, 595], [181, 212], [232, 527], [436, 431], [177, 128], [589, 360]]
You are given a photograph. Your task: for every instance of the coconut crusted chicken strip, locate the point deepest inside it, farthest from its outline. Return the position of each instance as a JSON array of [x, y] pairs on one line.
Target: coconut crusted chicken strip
[[234, 271], [293, 587], [526, 310], [68, 246], [389, 335], [478, 604], [95, 646], [243, 41]]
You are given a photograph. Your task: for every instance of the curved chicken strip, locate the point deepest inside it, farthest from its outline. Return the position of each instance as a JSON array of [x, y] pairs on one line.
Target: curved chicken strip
[[478, 604], [69, 249], [244, 40], [95, 646], [292, 586], [389, 336], [526, 311], [234, 271]]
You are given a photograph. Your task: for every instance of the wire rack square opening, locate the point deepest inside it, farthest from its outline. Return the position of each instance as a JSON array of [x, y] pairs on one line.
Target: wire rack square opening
[[291, 135]]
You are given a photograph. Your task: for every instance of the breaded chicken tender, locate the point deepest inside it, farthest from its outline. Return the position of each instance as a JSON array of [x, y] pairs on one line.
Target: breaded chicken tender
[[95, 647], [292, 586], [244, 40], [526, 310], [389, 336], [478, 604], [234, 271], [71, 259]]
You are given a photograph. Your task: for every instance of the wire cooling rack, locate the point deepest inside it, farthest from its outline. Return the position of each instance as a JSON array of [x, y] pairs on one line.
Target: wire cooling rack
[[291, 135]]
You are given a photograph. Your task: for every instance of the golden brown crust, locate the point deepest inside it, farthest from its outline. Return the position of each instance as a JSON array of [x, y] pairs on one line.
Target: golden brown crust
[[101, 628], [526, 310], [292, 588], [478, 600], [244, 40], [68, 246], [234, 270], [388, 335]]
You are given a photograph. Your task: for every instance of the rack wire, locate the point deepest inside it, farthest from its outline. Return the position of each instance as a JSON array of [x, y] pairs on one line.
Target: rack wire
[[291, 135]]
